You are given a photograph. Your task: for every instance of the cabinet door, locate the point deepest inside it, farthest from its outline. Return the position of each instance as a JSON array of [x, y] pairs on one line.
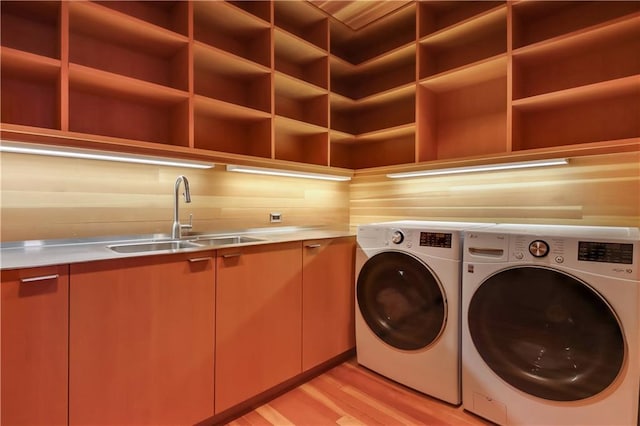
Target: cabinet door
[[327, 299], [141, 340], [258, 322], [35, 318]]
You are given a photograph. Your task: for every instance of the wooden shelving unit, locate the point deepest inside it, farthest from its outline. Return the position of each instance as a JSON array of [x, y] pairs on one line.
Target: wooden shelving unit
[[282, 83]]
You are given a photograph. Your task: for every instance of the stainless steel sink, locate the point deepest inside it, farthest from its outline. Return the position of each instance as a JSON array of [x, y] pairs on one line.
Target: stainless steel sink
[[227, 240], [152, 246]]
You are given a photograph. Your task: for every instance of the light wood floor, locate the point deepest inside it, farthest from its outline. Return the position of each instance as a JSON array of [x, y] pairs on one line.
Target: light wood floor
[[353, 395]]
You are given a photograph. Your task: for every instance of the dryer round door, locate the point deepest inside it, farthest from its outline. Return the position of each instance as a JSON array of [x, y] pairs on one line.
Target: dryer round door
[[401, 300], [546, 333]]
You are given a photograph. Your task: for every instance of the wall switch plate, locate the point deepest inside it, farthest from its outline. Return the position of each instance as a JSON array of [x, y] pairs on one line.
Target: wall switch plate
[[275, 217]]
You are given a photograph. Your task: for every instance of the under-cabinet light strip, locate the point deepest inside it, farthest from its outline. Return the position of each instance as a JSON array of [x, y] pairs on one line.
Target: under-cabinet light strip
[[482, 168], [88, 154], [287, 173]]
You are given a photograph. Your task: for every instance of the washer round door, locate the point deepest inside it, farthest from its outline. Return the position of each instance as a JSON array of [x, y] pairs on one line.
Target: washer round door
[[401, 300], [546, 333]]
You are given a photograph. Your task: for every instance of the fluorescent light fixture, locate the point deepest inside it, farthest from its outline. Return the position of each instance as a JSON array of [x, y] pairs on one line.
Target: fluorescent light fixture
[[89, 154], [278, 172], [481, 168]]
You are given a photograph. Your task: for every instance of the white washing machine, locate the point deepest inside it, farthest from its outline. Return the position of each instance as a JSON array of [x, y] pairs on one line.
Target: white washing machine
[[550, 325], [408, 304]]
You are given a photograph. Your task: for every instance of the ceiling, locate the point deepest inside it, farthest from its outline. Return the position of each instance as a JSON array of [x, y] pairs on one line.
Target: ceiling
[[357, 14]]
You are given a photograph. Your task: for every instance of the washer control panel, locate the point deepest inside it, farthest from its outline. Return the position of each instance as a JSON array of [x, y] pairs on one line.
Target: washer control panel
[[525, 247]]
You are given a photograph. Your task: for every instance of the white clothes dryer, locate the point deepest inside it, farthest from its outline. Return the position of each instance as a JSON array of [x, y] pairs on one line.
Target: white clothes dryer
[[407, 320], [550, 325]]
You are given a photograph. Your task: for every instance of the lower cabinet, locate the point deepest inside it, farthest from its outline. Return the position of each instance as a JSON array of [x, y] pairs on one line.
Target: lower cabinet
[[35, 314], [258, 320], [131, 341], [141, 340], [328, 299]]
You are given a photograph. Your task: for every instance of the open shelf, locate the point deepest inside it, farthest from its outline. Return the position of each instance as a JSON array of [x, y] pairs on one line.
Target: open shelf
[[300, 59], [301, 142], [364, 154], [606, 111], [31, 26], [395, 69], [304, 20], [464, 43], [377, 39], [108, 40], [30, 89], [301, 101], [258, 8], [605, 52], [224, 127], [436, 16], [231, 28], [377, 113], [221, 75], [536, 21], [464, 121], [172, 15], [107, 104]]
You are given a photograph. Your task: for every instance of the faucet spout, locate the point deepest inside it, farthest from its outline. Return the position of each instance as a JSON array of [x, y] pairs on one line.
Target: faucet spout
[[176, 228]]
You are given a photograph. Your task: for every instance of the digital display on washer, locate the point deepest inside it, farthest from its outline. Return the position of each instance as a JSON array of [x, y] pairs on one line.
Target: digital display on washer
[[605, 252], [435, 239]]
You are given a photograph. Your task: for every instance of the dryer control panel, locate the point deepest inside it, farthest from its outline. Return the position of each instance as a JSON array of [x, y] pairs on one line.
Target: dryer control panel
[[594, 251]]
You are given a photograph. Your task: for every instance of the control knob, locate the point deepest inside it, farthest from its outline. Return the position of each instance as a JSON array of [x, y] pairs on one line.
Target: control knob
[[539, 248], [397, 237]]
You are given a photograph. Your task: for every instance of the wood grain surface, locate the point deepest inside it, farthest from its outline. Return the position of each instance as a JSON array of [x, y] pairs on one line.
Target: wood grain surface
[[48, 197], [594, 190], [353, 395]]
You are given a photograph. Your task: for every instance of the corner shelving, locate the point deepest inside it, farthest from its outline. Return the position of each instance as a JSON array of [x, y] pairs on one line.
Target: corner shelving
[[281, 82], [373, 106]]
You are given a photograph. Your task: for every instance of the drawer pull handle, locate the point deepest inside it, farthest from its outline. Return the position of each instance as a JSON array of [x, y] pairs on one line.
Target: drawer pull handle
[[311, 246], [481, 251], [36, 279], [200, 259], [230, 255]]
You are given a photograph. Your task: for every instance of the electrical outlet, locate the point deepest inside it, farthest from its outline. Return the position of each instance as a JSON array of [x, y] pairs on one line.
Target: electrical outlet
[[275, 217]]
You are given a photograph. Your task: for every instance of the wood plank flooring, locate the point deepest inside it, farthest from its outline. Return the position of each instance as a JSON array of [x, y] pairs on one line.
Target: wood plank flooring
[[350, 395]]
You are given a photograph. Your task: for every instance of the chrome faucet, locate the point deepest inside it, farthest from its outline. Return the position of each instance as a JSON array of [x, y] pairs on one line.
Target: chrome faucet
[[176, 229]]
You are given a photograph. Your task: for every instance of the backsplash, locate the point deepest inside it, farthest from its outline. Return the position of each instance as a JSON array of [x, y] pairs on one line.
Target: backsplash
[[599, 190], [49, 197]]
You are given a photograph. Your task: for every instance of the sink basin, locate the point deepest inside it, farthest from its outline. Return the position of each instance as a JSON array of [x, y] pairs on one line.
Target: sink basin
[[152, 246], [227, 240]]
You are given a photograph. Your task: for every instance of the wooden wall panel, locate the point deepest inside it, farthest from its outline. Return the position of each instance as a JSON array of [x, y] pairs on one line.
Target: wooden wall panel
[[45, 197], [595, 190], [48, 197]]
